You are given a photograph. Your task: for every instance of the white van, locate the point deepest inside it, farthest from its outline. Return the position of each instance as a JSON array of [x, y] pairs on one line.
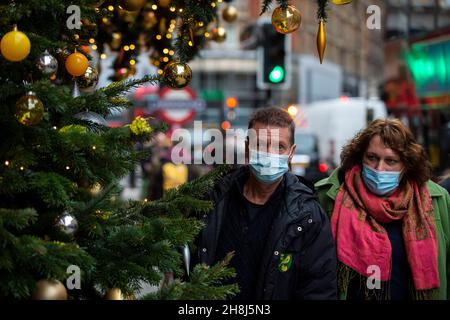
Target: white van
[[337, 121]]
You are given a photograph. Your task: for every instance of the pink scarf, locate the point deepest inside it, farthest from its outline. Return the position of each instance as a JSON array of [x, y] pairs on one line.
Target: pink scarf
[[363, 242]]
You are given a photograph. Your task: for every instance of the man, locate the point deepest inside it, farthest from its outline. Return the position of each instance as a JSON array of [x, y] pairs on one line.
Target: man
[[270, 219]]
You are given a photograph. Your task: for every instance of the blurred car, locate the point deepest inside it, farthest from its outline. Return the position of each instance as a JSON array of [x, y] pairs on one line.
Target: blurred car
[[306, 162]]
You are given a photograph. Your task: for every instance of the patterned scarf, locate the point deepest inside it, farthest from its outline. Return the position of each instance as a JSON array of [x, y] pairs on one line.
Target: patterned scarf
[[362, 241]]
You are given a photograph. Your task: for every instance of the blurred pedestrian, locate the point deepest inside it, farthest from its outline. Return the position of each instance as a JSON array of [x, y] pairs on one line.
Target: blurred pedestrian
[[280, 236], [389, 220], [445, 180]]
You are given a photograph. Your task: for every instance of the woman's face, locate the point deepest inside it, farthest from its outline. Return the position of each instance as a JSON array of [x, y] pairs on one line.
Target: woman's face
[[380, 157]]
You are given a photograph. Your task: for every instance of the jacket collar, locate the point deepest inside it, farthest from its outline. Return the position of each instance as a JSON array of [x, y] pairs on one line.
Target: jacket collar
[[332, 183]]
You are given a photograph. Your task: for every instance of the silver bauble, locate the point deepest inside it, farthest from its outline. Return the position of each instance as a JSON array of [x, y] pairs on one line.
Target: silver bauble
[[68, 224], [187, 258], [91, 117], [47, 64], [88, 81]]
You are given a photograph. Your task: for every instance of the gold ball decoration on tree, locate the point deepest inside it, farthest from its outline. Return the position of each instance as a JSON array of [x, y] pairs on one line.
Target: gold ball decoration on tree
[[229, 13], [29, 109], [341, 2], [132, 5], [219, 34], [88, 81], [321, 40], [15, 46], [76, 64], [177, 75], [286, 20], [49, 289], [116, 294]]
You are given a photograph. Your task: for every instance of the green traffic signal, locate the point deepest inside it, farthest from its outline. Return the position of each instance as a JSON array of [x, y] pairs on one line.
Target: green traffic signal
[[277, 74]]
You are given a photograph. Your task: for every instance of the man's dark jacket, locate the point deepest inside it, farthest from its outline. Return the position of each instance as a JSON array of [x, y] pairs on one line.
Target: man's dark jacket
[[300, 229]]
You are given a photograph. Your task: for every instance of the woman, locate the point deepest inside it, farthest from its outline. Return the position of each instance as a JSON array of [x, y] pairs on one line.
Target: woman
[[389, 221]]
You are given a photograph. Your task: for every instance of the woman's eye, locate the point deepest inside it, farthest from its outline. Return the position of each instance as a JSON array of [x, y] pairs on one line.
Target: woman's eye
[[391, 162], [370, 158]]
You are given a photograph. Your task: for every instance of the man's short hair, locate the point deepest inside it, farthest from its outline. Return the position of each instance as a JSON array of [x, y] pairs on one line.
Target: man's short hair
[[274, 117]]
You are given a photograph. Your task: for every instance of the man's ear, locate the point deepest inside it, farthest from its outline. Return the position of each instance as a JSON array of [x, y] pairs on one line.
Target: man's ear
[[246, 150], [292, 152]]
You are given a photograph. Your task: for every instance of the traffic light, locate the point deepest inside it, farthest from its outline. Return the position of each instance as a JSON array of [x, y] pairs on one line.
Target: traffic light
[[274, 58]]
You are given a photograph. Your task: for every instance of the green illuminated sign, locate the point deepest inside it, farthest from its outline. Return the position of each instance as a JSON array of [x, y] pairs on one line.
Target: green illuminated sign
[[430, 67]]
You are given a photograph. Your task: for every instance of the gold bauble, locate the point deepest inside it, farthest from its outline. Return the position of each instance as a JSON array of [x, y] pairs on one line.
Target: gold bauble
[[76, 64], [341, 2], [48, 289], [219, 34], [132, 5], [321, 40], [15, 46], [88, 80], [286, 20], [177, 75], [229, 13], [116, 294], [29, 109]]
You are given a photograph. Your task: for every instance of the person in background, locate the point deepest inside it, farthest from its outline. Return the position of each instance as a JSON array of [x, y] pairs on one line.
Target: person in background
[[271, 220], [445, 180], [389, 220]]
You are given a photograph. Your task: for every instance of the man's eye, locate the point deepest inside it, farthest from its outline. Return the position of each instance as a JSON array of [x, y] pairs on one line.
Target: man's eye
[[371, 158]]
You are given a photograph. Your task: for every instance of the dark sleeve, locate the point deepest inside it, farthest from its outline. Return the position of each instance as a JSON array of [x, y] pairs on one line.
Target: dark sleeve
[[317, 276]]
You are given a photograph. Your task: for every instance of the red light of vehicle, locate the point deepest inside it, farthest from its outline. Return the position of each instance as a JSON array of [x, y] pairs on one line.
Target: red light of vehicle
[[323, 167], [344, 99], [231, 102], [226, 125]]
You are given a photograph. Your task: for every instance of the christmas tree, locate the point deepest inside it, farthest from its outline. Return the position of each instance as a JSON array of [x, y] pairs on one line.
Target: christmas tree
[[60, 213]]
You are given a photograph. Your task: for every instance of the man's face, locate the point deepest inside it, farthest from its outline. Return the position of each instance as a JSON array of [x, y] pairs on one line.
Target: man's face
[[270, 139]]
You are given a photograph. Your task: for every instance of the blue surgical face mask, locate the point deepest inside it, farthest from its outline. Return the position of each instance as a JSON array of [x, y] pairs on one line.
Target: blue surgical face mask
[[381, 182], [268, 167]]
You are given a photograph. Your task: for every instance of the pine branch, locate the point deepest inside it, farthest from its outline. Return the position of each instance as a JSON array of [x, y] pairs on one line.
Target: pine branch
[[116, 88], [205, 284], [17, 218], [322, 10], [265, 6], [283, 4]]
